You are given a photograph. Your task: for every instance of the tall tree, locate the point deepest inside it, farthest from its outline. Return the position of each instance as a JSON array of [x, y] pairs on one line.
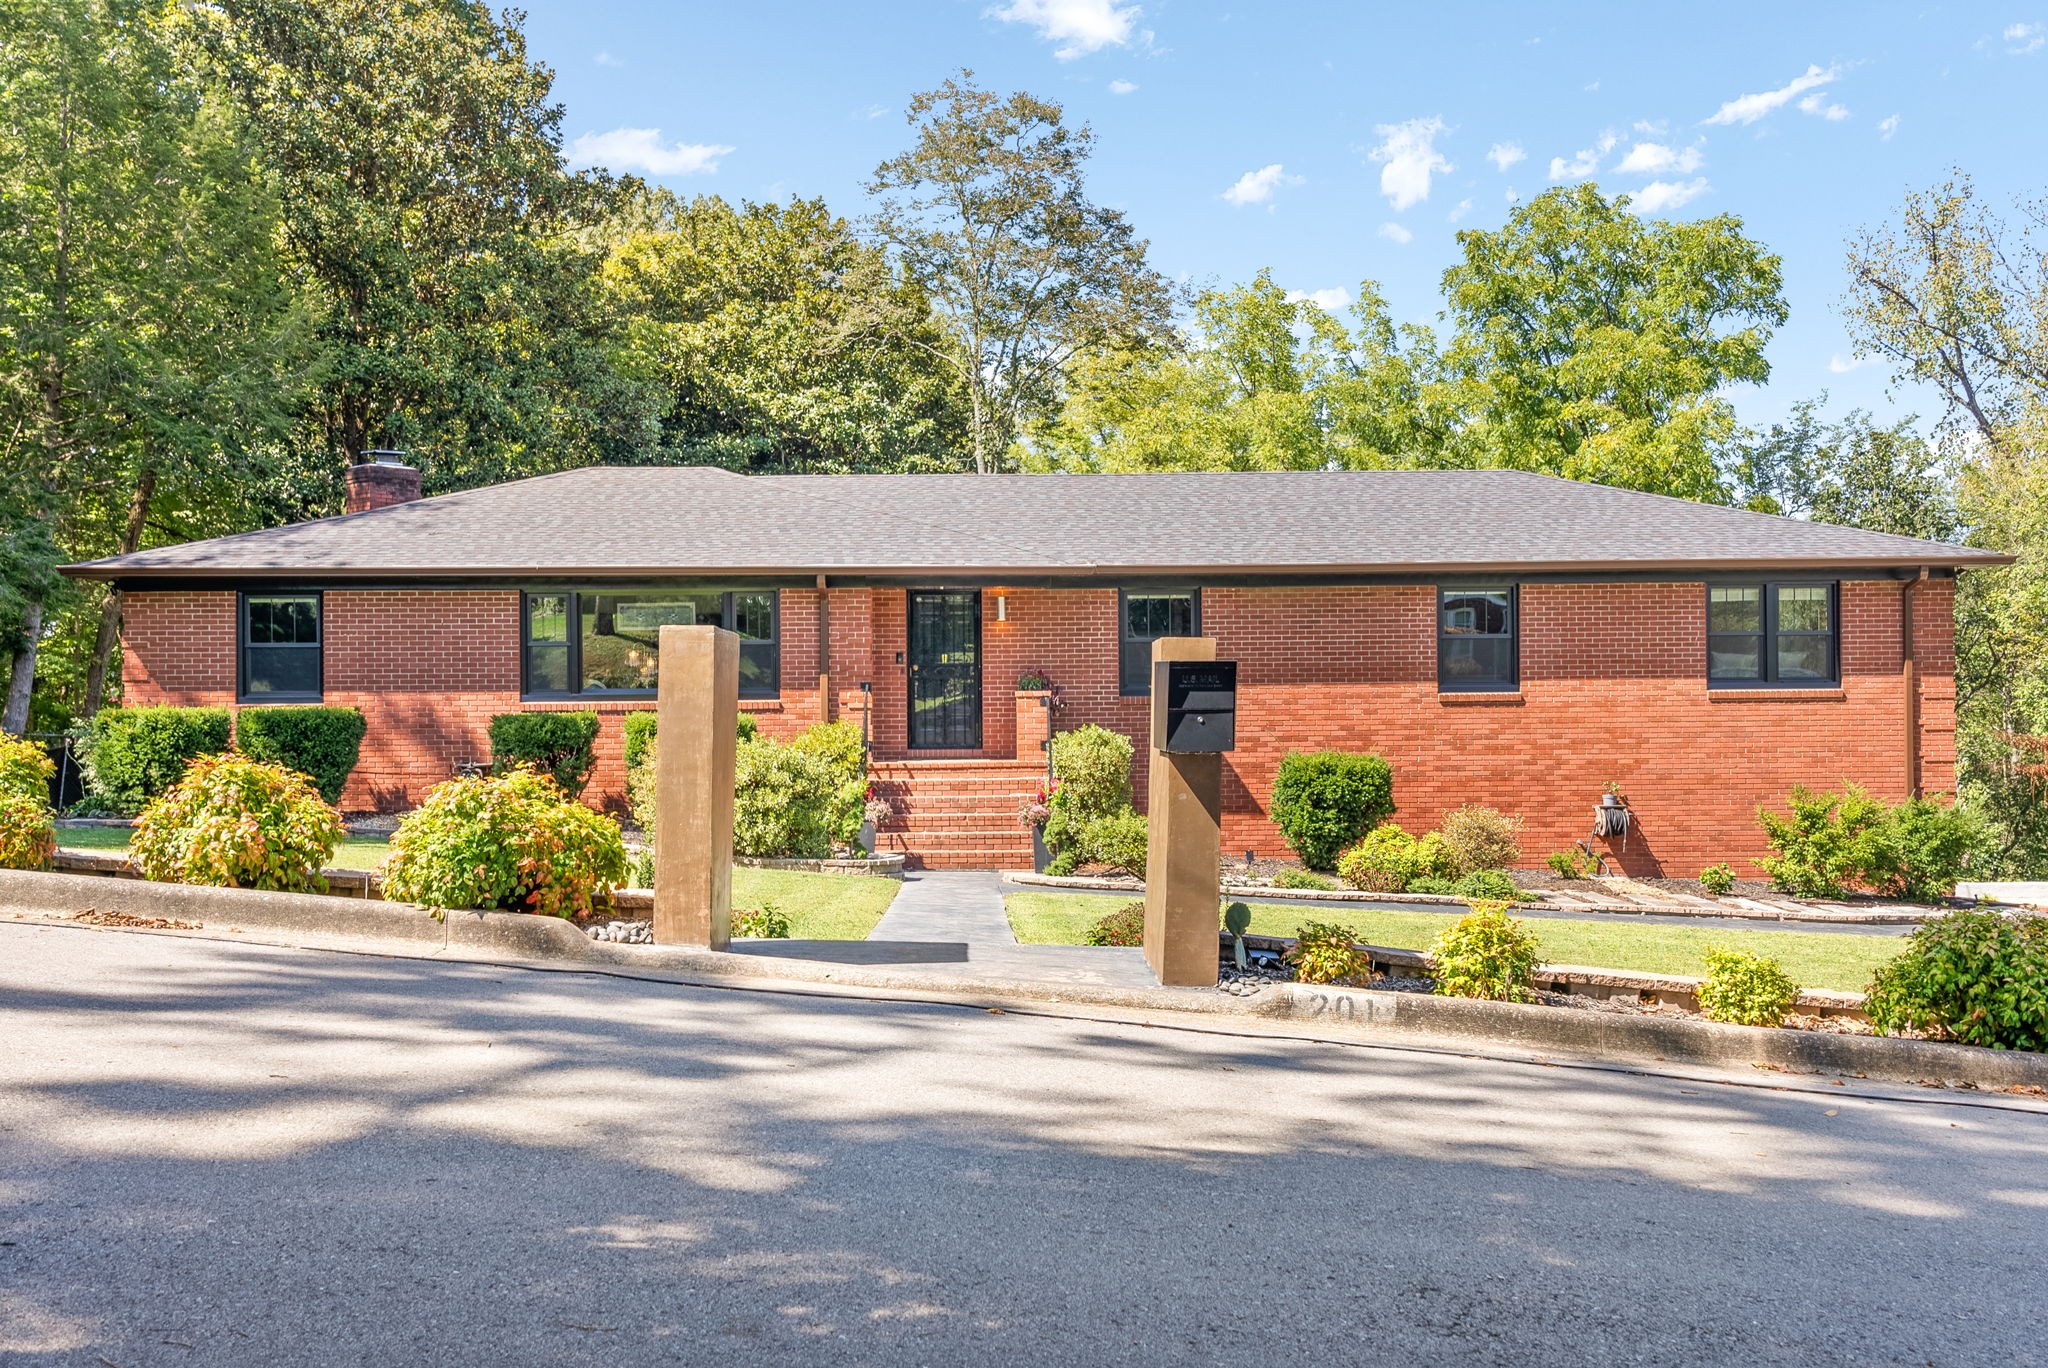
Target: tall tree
[[1595, 343], [418, 157], [1957, 299], [1853, 473], [988, 213], [785, 342]]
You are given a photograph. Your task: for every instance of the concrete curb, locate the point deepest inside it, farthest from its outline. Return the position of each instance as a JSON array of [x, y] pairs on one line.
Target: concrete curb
[[318, 920]]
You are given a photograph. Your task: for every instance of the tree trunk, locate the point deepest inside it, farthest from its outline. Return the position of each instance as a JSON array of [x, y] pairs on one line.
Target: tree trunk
[[110, 612], [14, 716]]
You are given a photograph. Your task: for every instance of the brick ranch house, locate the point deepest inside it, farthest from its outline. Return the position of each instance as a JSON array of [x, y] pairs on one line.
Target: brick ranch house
[[1500, 637]]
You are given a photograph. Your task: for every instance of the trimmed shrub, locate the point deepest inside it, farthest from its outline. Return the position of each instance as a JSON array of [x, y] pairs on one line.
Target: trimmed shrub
[[1125, 926], [1571, 863], [1746, 989], [1325, 953], [637, 731], [1325, 800], [1481, 838], [1290, 877], [1488, 884], [1118, 841], [1091, 768], [1063, 863], [1979, 977], [839, 745], [25, 768], [766, 922], [561, 745], [28, 833], [513, 841], [1485, 954], [1928, 846], [233, 822], [1829, 841], [321, 743], [1718, 879], [1433, 883], [130, 755], [782, 802], [1389, 860]]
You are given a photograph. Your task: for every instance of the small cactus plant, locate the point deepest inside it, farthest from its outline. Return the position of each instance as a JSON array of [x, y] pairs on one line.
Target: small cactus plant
[[1237, 919]]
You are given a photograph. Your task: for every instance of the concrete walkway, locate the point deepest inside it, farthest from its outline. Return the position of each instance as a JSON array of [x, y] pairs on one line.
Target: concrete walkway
[[961, 911]]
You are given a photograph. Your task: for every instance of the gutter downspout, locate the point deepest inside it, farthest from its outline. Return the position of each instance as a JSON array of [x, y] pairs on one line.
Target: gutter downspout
[[1909, 678], [825, 709]]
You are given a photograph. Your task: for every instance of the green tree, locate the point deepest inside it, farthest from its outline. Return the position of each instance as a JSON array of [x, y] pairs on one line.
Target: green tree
[[1853, 473], [1956, 299], [785, 342], [1594, 343], [418, 158], [988, 214]]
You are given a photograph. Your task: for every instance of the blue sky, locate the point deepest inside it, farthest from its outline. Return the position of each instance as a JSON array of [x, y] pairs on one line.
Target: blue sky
[[1338, 142]]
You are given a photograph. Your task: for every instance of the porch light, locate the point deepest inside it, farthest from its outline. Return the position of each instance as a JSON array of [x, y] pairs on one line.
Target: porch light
[[1002, 607]]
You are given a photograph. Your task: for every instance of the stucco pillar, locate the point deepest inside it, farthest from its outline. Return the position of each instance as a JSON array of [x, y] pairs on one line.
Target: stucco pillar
[[698, 704], [1184, 849]]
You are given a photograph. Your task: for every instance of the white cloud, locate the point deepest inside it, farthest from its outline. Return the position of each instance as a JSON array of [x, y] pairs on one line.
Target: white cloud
[[872, 112], [2022, 39], [1584, 162], [1408, 151], [1506, 154], [1257, 187], [1656, 159], [1122, 87], [1394, 232], [1513, 198], [1842, 365], [1591, 87], [641, 149], [1332, 299], [1464, 207], [1747, 109], [1652, 128], [1658, 196], [1817, 104], [1078, 26], [606, 59], [1888, 126]]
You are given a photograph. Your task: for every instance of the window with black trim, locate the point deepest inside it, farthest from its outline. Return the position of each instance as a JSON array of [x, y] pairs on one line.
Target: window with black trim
[[1477, 649], [279, 647], [594, 643], [1768, 634], [1144, 615]]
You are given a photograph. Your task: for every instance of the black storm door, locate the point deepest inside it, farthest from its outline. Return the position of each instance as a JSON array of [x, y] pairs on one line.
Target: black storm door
[[945, 669]]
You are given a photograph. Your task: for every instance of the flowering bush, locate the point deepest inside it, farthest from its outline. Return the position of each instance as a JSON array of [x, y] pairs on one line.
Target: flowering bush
[[766, 922], [1324, 953], [1037, 809], [1485, 954], [1125, 926], [232, 822], [512, 840], [28, 836]]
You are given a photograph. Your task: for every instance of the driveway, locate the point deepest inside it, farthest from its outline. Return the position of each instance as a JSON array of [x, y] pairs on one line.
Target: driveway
[[227, 1154]]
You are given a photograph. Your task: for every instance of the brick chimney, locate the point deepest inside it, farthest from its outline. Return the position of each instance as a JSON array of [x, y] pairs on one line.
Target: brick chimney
[[380, 482]]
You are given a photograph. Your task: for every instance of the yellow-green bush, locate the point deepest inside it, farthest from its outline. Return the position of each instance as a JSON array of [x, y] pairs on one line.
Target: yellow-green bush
[[512, 840], [1389, 860], [1746, 989], [28, 836], [1485, 954], [1325, 953], [232, 822], [25, 768]]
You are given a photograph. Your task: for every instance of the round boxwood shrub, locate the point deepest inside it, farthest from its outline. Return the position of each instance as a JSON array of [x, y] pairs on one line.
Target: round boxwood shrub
[[1125, 926], [1746, 989], [513, 841], [232, 822], [130, 755], [839, 745], [561, 745], [1485, 954], [1324, 801], [782, 802], [1091, 768], [321, 743], [1980, 977]]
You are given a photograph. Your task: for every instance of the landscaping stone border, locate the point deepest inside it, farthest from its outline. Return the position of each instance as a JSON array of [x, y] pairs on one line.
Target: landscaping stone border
[[343, 923], [878, 866]]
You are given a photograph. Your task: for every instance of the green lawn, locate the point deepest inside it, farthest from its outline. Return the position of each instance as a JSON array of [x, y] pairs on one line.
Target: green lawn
[[819, 906], [1814, 959]]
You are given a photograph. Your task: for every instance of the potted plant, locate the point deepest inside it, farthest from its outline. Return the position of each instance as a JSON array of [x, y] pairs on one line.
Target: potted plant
[[876, 811], [1037, 699], [1037, 809]]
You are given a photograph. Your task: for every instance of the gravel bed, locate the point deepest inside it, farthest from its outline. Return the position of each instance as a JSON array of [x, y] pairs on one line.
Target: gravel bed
[[622, 932]]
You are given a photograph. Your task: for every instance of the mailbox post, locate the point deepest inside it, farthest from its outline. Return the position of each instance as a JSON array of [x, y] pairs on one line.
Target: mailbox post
[[1194, 721]]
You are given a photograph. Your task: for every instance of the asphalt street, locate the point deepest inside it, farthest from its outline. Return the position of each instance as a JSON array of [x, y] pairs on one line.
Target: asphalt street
[[215, 1153]]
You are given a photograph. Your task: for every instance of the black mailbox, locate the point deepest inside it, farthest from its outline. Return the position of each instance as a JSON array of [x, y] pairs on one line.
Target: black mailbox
[[1194, 706]]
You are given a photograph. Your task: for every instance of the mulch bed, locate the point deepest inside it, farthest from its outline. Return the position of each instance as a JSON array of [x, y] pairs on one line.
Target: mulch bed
[[92, 917]]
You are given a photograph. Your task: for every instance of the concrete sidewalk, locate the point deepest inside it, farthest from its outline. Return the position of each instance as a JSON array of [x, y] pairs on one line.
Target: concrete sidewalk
[[963, 911]]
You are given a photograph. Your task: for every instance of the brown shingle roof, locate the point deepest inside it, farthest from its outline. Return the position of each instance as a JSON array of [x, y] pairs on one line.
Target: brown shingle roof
[[695, 520]]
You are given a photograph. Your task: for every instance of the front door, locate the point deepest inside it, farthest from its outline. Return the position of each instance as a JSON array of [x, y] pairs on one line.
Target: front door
[[945, 669]]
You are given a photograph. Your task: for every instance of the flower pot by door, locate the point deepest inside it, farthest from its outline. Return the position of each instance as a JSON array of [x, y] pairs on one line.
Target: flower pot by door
[[867, 837], [1040, 856]]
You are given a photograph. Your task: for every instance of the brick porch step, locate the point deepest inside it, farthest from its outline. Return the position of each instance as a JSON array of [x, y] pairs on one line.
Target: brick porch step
[[958, 814]]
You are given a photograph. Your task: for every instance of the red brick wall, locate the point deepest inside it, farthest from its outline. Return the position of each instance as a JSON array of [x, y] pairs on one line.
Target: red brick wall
[[1613, 691]]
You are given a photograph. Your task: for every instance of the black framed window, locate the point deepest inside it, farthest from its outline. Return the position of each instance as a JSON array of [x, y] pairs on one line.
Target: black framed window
[[1477, 647], [1144, 615], [594, 643], [279, 648], [1773, 634]]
